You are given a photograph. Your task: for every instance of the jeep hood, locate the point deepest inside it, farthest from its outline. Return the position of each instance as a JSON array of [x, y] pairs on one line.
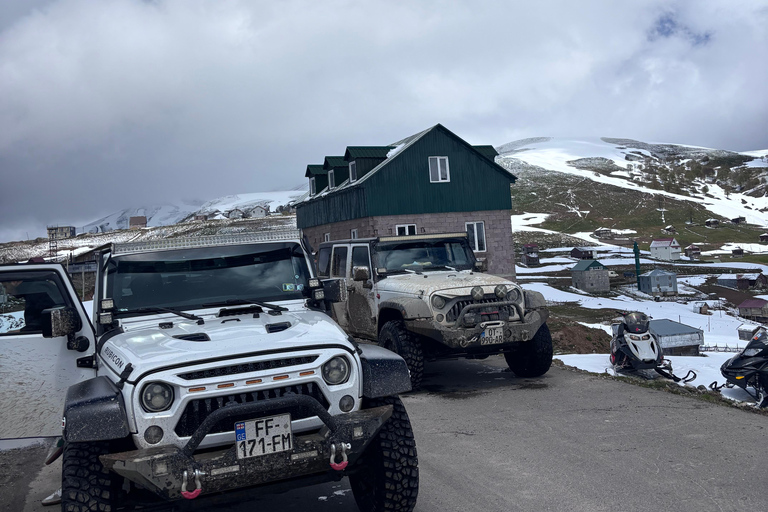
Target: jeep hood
[[447, 283], [147, 347]]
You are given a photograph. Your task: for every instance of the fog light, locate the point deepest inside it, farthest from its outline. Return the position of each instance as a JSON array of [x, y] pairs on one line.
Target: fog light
[[500, 290], [477, 293], [346, 403], [153, 434], [439, 318]]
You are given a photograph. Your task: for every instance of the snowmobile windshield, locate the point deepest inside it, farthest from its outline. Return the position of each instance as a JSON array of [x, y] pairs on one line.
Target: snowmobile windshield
[[758, 346], [636, 322]]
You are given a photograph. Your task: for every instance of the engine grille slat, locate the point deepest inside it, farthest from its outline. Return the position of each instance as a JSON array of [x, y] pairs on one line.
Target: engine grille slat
[[255, 366], [491, 300]]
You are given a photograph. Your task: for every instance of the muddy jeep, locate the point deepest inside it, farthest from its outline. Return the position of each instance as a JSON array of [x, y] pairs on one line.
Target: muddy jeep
[[212, 372], [424, 298]]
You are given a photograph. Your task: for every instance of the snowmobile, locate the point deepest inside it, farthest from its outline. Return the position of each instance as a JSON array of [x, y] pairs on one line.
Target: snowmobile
[[749, 368], [634, 348]]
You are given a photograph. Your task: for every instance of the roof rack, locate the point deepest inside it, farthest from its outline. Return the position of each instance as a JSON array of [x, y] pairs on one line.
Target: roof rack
[[205, 241], [421, 237]]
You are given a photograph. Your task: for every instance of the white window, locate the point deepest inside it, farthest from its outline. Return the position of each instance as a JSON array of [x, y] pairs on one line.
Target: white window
[[405, 229], [312, 189], [331, 180], [352, 171], [476, 233], [438, 169], [327, 237], [352, 234]]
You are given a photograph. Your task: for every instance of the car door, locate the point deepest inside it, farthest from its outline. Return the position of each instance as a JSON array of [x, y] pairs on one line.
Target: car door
[[361, 303], [35, 372], [339, 266]]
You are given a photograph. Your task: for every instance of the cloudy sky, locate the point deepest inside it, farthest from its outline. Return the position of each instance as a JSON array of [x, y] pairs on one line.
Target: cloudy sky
[[108, 104]]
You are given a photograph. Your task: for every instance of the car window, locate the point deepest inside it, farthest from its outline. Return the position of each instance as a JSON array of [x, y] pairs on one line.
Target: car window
[[360, 257], [324, 262], [23, 297], [339, 261]]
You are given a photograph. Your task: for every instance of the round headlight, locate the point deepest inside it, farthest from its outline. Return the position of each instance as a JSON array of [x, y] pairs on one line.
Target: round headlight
[[514, 294], [336, 371], [438, 302], [156, 397], [500, 290], [477, 293]]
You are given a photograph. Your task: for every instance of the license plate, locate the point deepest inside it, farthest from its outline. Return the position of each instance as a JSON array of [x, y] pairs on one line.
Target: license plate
[[263, 436], [492, 335]]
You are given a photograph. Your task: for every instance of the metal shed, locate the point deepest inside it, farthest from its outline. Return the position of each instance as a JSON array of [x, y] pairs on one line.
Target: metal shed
[[677, 339]]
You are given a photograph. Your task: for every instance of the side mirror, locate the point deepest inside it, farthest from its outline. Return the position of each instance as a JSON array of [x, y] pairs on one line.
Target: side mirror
[[361, 273], [59, 321], [481, 265], [335, 290]]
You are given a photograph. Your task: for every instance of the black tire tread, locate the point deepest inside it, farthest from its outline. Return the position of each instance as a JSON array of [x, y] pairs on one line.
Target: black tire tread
[[394, 336], [532, 358], [86, 485], [388, 479]]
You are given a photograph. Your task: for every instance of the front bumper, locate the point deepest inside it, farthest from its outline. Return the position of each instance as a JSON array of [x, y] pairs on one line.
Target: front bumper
[[469, 338], [162, 469]]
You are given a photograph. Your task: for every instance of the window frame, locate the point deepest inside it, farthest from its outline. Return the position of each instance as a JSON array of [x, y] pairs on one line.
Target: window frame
[[331, 180], [439, 179], [353, 234], [326, 237], [352, 171], [312, 186], [343, 265], [473, 239], [405, 226]]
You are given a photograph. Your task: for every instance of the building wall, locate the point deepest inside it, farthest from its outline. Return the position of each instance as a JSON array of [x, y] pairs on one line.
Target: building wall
[[499, 252], [591, 280], [665, 253], [658, 285]]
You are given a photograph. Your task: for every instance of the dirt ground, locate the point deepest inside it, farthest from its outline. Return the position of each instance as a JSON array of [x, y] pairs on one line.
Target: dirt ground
[[16, 466], [575, 338]]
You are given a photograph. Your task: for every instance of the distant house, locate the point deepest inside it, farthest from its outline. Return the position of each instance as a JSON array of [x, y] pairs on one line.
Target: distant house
[[235, 213], [701, 308], [665, 249], [737, 252], [693, 252], [200, 217], [764, 237], [738, 220], [138, 222], [583, 253], [712, 223], [530, 255], [676, 339], [61, 232], [603, 233], [748, 330], [658, 282], [755, 309], [755, 281], [259, 211], [590, 276]]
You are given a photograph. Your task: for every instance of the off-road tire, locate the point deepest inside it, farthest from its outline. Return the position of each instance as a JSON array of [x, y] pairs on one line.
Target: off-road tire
[[86, 485], [395, 337], [386, 476], [531, 358]]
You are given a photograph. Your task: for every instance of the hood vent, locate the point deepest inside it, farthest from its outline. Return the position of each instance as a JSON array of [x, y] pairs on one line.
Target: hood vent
[[247, 310], [197, 336], [281, 326]]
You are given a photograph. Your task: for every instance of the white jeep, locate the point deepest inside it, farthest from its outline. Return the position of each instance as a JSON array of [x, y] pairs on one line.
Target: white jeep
[[211, 371], [423, 297]]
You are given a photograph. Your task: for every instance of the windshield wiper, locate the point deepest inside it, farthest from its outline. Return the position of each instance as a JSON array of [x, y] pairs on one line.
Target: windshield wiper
[[155, 309], [243, 302]]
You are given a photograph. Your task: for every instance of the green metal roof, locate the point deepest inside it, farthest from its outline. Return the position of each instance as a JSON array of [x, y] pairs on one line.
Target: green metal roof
[[331, 162], [314, 170], [587, 264], [488, 151], [367, 152]]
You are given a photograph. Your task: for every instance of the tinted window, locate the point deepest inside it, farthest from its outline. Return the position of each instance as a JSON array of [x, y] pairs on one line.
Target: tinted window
[[24, 296], [324, 262], [360, 257], [339, 262]]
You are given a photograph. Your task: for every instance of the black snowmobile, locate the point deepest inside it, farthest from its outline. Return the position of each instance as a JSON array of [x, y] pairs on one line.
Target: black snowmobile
[[749, 369], [634, 348]]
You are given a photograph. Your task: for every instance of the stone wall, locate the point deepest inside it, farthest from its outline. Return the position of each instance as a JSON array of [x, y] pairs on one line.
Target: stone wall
[[591, 280], [499, 253]]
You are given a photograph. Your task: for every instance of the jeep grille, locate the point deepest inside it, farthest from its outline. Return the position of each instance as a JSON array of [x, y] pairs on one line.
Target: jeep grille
[[197, 410], [247, 367], [491, 300]]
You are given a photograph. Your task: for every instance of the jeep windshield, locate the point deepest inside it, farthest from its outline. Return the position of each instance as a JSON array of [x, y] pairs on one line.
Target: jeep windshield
[[188, 278], [418, 255]]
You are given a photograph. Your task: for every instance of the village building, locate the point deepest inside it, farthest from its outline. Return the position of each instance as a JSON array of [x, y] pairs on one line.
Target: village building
[[259, 212], [712, 223], [754, 309], [676, 339], [737, 252], [137, 222], [747, 330], [529, 255], [665, 249], [701, 308], [235, 213], [603, 233], [738, 220], [658, 283], [590, 276], [764, 237], [583, 253], [754, 281], [200, 217], [61, 232], [693, 252], [431, 182]]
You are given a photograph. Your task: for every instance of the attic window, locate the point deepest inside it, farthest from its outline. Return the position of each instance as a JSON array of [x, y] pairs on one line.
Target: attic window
[[312, 189], [438, 169], [331, 180], [352, 171]]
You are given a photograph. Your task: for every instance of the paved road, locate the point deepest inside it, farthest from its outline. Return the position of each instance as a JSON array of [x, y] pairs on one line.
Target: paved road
[[564, 442]]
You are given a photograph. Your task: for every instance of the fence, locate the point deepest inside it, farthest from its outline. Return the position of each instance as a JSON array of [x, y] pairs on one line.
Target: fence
[[718, 348]]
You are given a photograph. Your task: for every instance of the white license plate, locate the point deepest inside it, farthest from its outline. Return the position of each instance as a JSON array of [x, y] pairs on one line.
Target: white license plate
[[263, 436], [492, 335]]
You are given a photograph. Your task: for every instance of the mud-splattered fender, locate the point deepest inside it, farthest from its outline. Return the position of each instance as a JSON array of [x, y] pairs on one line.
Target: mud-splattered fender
[[94, 411], [534, 300], [410, 308], [384, 372]]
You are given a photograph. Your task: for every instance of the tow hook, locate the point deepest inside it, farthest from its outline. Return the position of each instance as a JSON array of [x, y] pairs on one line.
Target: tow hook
[[343, 464], [198, 486]]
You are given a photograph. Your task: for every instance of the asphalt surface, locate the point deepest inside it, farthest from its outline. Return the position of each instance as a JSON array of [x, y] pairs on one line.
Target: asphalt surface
[[567, 441]]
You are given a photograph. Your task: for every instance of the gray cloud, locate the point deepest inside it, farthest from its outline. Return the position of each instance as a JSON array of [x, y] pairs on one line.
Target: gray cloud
[[105, 105]]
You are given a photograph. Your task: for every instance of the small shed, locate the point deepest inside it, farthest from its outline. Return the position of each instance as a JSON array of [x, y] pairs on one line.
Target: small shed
[[755, 309], [676, 339], [701, 308], [530, 255], [747, 330], [764, 237], [590, 276], [712, 223], [583, 253], [603, 233], [693, 252], [658, 283], [138, 222], [738, 220], [737, 252]]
